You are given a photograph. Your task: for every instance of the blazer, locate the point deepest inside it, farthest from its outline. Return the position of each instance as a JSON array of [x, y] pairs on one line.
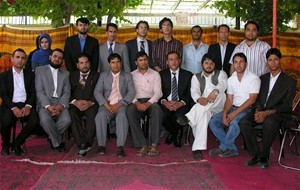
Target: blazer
[[215, 50], [104, 87], [184, 85], [7, 89], [281, 96], [44, 86], [132, 47], [120, 49], [72, 51], [86, 93]]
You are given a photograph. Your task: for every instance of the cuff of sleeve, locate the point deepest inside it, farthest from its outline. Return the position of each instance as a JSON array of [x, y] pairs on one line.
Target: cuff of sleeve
[[183, 102], [73, 101], [29, 105]]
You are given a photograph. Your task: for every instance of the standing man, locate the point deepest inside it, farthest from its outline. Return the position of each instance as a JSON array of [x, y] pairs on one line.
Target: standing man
[[112, 46], [222, 50], [243, 88], [18, 102], [273, 105], [164, 45], [81, 43], [208, 92], [83, 103], [254, 49], [176, 99], [194, 51], [147, 84], [140, 43], [114, 92], [53, 94]]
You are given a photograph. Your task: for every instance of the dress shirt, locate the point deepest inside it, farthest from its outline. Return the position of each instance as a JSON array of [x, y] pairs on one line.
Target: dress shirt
[[54, 75], [147, 85], [113, 45], [191, 57], [19, 94], [82, 42], [145, 45], [117, 77], [223, 52], [273, 80]]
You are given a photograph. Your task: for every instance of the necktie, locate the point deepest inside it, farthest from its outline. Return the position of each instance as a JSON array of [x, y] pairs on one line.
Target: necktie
[[110, 50], [142, 46], [83, 80], [113, 97], [174, 88]]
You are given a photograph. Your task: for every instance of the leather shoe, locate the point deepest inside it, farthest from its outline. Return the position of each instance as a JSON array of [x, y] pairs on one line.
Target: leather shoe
[[61, 147], [254, 161], [102, 150], [18, 150], [177, 142], [5, 151], [197, 155], [264, 162], [84, 148], [169, 139], [182, 120], [121, 152]]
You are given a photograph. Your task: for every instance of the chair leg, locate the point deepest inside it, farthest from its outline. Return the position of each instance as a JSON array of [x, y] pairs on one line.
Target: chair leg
[[187, 136]]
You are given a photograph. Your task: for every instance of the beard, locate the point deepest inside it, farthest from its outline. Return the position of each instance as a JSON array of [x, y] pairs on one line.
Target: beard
[[208, 71], [55, 66], [83, 32]]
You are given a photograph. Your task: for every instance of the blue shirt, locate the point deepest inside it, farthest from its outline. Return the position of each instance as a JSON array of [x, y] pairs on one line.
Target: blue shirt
[[191, 57], [82, 42]]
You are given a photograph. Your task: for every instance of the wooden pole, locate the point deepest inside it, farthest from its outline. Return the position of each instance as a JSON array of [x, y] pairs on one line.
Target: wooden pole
[[274, 28]]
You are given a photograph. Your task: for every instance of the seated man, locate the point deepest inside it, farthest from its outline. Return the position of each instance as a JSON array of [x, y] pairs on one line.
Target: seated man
[[243, 88], [176, 100], [83, 103], [273, 104], [114, 92], [208, 91], [147, 84], [18, 95], [53, 94]]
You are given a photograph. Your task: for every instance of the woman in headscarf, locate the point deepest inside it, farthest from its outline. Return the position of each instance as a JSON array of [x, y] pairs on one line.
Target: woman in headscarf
[[41, 56]]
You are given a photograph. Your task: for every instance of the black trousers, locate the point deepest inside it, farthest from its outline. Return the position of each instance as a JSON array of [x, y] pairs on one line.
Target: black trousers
[[9, 120]]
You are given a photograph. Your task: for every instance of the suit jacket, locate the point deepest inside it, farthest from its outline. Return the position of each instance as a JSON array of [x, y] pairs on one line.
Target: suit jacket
[[7, 89], [104, 87], [215, 50], [184, 85], [72, 51], [86, 93], [44, 86], [120, 49], [132, 47], [281, 96]]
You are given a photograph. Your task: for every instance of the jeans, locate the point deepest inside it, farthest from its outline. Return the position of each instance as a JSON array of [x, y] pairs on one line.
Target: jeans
[[227, 135]]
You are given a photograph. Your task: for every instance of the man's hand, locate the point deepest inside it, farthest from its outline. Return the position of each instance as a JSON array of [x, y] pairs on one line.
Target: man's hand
[[55, 109], [260, 116], [25, 111], [212, 96], [83, 105], [172, 105], [203, 101], [113, 108], [142, 106], [17, 112]]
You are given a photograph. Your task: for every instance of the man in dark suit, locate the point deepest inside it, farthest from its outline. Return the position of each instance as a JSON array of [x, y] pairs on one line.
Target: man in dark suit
[[140, 43], [81, 43], [19, 97], [114, 91], [52, 87], [273, 105], [83, 103], [222, 50], [176, 100]]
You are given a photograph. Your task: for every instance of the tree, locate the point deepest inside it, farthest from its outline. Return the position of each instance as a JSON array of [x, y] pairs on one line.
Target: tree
[[260, 11], [60, 11]]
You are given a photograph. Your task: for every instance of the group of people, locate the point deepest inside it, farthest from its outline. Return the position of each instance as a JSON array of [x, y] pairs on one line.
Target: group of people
[[113, 86]]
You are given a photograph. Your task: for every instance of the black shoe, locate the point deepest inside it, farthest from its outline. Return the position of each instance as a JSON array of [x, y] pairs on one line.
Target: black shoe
[[182, 120], [253, 162], [177, 142], [61, 147], [5, 151], [18, 150], [197, 155], [50, 143], [102, 150], [113, 135], [169, 139], [84, 149], [121, 152], [264, 162]]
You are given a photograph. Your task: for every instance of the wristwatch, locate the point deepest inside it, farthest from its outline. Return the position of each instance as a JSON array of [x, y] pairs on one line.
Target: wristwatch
[[216, 92]]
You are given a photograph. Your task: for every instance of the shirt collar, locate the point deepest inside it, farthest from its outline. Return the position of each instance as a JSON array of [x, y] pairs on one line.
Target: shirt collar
[[14, 71], [81, 37]]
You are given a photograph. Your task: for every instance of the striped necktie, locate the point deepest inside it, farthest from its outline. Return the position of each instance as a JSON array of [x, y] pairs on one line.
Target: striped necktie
[[174, 88], [142, 46]]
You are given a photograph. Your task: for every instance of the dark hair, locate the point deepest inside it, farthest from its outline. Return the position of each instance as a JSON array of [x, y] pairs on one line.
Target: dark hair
[[173, 52], [83, 20], [112, 25], [20, 50], [240, 54], [113, 56], [273, 51], [197, 26], [208, 56], [252, 22], [142, 22], [223, 25], [57, 49], [83, 55], [141, 54], [165, 19]]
